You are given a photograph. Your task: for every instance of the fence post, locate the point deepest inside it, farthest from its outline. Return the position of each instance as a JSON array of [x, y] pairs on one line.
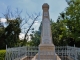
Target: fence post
[[69, 51], [6, 53], [75, 52], [62, 52]]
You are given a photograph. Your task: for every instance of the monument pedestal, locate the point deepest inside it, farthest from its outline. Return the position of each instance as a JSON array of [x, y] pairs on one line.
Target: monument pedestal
[[46, 52]]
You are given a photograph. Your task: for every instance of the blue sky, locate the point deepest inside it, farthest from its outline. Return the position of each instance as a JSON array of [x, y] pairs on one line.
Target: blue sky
[[33, 6]]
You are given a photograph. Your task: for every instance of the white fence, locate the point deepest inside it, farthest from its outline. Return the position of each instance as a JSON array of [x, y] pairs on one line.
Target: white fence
[[72, 52], [17, 53]]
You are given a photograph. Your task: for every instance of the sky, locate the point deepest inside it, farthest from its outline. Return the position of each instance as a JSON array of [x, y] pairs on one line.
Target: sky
[[33, 6]]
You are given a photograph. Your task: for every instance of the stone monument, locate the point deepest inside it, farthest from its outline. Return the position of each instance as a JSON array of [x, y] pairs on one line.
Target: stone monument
[[46, 47]]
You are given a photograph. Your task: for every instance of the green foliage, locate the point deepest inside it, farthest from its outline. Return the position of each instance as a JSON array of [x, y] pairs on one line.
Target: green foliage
[[35, 39], [2, 30], [59, 32], [2, 54], [66, 31], [72, 16], [12, 32], [10, 35]]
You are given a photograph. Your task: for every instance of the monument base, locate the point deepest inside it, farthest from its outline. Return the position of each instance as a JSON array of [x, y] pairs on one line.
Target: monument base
[[46, 52], [46, 57]]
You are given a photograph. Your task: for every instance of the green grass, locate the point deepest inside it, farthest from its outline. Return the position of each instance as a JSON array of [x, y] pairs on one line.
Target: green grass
[[2, 54]]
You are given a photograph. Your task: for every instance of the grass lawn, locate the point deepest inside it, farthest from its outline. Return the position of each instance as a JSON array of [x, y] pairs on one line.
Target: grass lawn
[[2, 54]]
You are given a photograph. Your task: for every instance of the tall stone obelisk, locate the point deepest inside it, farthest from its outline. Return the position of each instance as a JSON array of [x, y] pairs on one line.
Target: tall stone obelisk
[[46, 36], [46, 47]]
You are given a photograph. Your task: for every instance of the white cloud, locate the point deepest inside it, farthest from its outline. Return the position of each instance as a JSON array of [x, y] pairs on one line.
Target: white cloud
[[36, 22], [3, 20], [21, 36], [36, 25]]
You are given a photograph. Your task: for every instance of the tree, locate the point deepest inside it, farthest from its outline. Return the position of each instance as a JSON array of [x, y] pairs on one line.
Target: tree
[[12, 32], [15, 24], [35, 37], [59, 32], [26, 33], [72, 21], [2, 30]]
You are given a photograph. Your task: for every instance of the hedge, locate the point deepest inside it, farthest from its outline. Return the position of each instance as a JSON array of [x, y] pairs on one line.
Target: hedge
[[2, 54]]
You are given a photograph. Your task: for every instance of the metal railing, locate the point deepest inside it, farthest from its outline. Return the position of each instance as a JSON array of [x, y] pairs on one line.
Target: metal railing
[[63, 52]]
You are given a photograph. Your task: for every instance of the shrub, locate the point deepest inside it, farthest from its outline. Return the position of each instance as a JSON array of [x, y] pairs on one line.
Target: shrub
[[2, 54]]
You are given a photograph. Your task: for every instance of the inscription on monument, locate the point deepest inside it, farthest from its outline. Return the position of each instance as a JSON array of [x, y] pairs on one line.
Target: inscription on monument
[[46, 38], [45, 13]]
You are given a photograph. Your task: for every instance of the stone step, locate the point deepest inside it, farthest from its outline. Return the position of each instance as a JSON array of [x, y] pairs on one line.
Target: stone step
[[46, 57]]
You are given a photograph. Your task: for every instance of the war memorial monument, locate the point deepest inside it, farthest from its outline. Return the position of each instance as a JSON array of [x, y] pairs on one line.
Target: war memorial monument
[[46, 47]]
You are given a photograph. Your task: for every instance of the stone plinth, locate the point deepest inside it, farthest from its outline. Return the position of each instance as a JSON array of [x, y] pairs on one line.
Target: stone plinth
[[46, 52]]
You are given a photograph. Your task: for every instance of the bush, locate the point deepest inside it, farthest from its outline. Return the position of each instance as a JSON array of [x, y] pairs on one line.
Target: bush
[[2, 54]]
